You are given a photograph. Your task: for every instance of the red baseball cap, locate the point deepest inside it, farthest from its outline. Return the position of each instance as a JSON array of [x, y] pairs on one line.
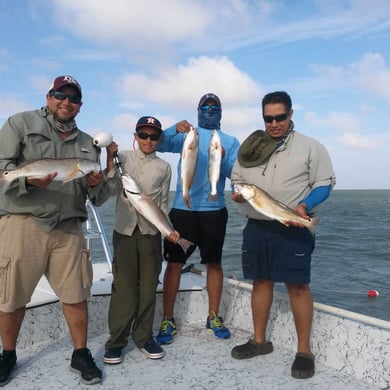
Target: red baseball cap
[[61, 81]]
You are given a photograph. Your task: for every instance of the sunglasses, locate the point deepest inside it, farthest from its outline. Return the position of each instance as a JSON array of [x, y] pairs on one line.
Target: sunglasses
[[277, 118], [153, 136], [208, 107], [75, 99]]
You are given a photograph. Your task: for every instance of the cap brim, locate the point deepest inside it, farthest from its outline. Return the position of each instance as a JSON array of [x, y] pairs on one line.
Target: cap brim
[[149, 125]]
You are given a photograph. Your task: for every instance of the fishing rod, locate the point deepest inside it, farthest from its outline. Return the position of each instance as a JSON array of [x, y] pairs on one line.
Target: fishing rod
[[118, 163]]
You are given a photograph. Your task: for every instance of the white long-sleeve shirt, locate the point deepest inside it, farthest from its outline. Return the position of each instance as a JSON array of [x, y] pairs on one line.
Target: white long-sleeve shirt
[[153, 176]]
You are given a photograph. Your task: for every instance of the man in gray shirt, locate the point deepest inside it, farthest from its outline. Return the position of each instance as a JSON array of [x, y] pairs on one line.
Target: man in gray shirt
[[41, 223]]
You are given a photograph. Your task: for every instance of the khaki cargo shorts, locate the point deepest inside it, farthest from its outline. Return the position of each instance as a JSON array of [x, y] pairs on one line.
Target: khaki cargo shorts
[[27, 252]]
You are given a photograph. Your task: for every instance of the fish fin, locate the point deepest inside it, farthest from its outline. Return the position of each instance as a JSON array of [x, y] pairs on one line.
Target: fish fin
[[72, 174], [212, 197], [184, 244], [79, 169], [130, 192]]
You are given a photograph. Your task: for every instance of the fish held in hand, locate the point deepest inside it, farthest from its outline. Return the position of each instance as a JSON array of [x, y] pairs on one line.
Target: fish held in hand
[[265, 204], [146, 206], [215, 158], [189, 157], [67, 169]]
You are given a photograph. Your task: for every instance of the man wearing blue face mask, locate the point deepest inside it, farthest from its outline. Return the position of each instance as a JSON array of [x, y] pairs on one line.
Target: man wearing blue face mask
[[204, 223]]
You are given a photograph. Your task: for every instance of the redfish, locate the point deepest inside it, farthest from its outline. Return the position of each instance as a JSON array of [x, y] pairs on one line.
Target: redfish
[[146, 206], [67, 169], [215, 157], [265, 204], [189, 158]]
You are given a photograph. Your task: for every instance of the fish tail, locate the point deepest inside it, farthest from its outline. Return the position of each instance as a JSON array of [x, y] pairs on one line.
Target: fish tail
[[5, 181], [187, 200], [212, 197], [184, 244], [313, 223]]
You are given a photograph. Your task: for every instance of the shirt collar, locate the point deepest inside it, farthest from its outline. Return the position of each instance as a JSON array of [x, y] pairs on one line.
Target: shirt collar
[[141, 155]]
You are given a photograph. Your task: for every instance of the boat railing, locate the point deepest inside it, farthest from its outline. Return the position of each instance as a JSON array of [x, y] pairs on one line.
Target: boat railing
[[94, 230]]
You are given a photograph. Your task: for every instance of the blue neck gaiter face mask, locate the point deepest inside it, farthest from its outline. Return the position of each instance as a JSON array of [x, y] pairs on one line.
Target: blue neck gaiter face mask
[[210, 119]]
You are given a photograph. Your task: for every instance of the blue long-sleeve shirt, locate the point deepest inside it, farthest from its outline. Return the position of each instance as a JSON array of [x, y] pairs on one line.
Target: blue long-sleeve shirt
[[172, 142]]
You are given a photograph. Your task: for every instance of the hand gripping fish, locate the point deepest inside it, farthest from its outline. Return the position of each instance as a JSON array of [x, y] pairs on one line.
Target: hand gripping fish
[[67, 169], [272, 208], [189, 157], [215, 157], [145, 205]]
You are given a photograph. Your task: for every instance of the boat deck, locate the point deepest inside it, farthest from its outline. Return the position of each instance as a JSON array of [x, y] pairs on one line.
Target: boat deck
[[350, 353], [196, 360]]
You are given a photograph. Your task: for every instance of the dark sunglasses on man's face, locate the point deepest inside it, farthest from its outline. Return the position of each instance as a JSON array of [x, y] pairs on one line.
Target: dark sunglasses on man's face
[[153, 136], [207, 107], [75, 99], [277, 118]]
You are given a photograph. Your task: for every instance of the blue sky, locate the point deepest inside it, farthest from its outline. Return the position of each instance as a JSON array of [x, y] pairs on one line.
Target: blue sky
[[153, 57]]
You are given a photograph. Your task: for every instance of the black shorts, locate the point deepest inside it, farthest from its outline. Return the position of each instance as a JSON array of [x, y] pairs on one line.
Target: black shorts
[[206, 229], [275, 252]]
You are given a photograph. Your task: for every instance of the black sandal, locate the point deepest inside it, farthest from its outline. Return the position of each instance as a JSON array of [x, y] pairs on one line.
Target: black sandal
[[303, 366], [251, 349]]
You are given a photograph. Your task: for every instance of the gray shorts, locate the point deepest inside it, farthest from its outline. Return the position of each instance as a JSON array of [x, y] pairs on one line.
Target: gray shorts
[[27, 252], [273, 251]]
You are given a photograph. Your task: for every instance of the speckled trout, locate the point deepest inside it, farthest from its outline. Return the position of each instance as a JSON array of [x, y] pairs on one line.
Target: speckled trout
[[215, 157], [146, 206], [272, 208], [189, 157], [67, 169]]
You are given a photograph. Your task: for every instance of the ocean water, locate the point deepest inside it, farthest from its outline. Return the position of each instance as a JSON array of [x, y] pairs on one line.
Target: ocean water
[[352, 254]]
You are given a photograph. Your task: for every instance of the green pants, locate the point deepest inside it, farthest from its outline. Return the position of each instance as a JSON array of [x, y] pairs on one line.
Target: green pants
[[136, 268]]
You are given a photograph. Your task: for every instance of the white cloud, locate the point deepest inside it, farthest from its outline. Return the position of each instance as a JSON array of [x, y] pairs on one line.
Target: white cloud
[[369, 74], [10, 106], [347, 127], [328, 71], [183, 85], [337, 121], [357, 141], [372, 74], [242, 121], [41, 83], [160, 24], [132, 23]]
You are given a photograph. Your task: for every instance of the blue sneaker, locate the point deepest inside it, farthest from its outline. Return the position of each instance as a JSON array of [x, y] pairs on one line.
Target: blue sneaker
[[113, 356], [152, 350], [215, 324], [167, 331]]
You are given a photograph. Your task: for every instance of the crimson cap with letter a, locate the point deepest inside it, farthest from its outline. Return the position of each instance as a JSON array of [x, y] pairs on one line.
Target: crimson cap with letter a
[[61, 81]]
